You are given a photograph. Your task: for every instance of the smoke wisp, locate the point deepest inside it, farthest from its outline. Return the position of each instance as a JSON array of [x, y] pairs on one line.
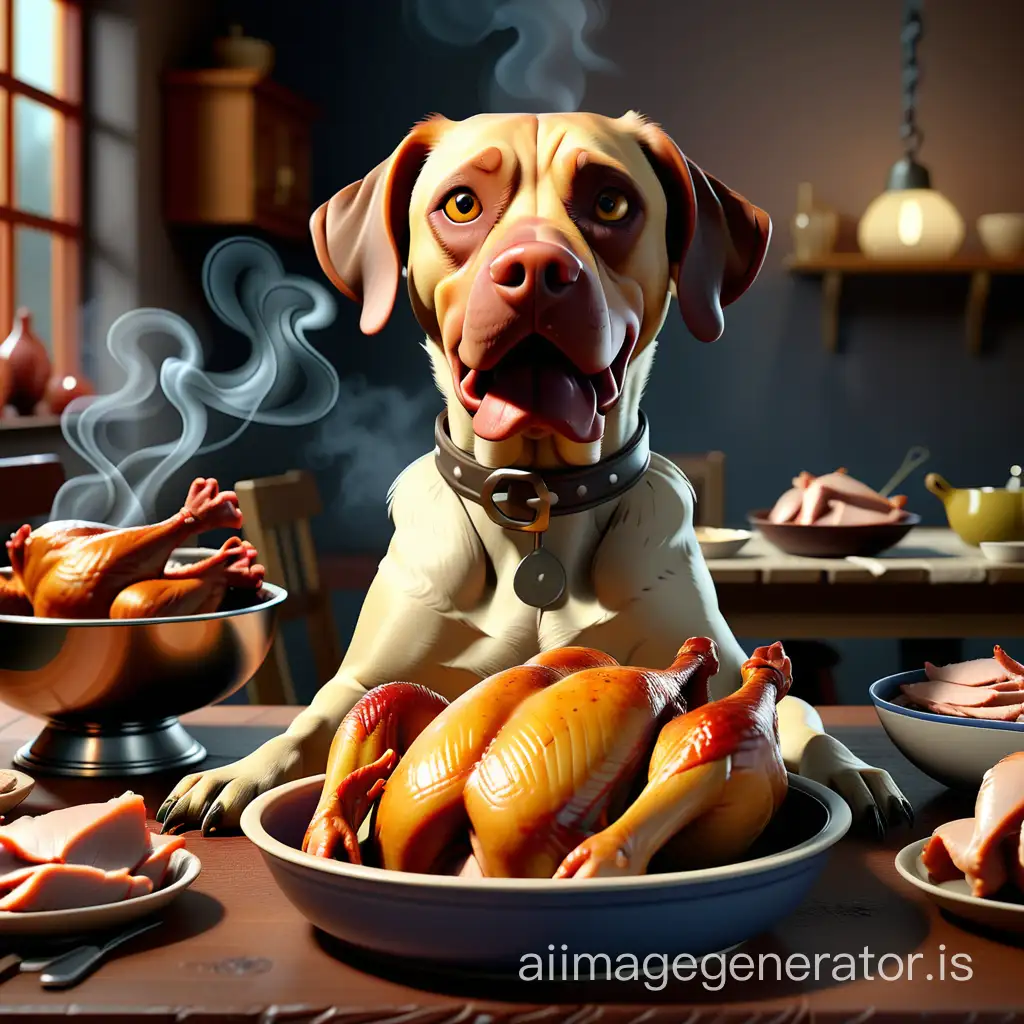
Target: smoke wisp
[[284, 382], [546, 67]]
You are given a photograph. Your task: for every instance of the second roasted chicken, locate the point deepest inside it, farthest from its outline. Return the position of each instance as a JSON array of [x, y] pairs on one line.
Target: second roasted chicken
[[570, 765], [74, 570]]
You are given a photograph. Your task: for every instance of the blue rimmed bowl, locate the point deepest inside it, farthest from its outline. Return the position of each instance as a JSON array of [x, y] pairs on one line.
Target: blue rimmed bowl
[[954, 751]]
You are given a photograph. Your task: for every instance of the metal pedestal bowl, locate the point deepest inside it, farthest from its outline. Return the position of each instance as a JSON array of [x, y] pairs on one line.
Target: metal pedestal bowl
[[112, 691]]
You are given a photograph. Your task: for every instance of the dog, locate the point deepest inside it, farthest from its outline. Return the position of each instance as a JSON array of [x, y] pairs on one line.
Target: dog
[[541, 254]]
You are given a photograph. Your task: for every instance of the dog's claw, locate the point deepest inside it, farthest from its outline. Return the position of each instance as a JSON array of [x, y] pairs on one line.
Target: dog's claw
[[212, 818], [164, 808]]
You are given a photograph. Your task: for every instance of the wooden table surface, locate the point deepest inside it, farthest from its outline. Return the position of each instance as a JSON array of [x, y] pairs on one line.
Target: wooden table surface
[[233, 948]]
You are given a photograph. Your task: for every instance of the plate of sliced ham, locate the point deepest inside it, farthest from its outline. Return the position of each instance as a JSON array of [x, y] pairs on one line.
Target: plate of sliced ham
[[955, 721], [834, 516], [87, 867], [974, 867]]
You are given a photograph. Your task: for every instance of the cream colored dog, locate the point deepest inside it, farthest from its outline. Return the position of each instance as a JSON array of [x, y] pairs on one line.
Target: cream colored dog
[[541, 254]]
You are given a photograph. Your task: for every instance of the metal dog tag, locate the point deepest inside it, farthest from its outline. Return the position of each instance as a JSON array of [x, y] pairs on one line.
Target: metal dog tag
[[540, 578]]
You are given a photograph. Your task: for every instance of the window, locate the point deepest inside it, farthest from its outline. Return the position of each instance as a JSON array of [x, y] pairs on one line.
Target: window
[[40, 162]]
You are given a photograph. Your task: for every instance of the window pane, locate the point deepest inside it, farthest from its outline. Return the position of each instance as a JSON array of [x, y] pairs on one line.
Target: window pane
[[35, 134], [33, 265], [35, 43]]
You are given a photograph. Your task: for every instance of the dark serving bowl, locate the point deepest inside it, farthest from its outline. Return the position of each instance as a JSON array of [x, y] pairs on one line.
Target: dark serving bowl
[[833, 541]]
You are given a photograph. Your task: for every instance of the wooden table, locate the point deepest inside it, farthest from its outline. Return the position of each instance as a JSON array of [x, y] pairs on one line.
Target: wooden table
[[931, 584], [233, 949]]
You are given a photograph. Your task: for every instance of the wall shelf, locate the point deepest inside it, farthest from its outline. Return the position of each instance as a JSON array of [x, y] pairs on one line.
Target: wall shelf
[[833, 267]]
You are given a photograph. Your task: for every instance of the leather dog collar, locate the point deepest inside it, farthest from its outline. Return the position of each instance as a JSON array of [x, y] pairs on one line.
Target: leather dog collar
[[522, 499]]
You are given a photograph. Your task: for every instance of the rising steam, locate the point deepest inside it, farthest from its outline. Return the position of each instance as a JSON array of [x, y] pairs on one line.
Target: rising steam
[[283, 382], [546, 67]]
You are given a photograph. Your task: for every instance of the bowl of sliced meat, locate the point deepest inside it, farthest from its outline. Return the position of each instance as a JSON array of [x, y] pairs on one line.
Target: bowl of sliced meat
[[834, 516], [955, 721]]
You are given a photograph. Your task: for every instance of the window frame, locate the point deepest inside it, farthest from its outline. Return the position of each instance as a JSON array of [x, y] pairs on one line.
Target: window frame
[[65, 226]]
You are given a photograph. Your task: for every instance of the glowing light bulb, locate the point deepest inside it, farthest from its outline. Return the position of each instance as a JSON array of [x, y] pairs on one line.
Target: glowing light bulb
[[913, 223], [69, 383], [910, 222]]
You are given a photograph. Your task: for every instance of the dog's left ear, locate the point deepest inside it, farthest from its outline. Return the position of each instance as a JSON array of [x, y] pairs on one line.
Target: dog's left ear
[[361, 234], [716, 239]]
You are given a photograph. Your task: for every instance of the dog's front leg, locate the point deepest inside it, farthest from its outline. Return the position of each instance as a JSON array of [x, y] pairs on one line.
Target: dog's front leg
[[873, 796]]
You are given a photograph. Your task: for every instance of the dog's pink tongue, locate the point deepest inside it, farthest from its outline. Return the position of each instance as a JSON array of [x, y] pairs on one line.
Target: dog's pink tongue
[[527, 395]]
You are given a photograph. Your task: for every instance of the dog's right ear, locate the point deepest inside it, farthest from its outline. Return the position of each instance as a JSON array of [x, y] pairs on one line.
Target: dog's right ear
[[361, 234]]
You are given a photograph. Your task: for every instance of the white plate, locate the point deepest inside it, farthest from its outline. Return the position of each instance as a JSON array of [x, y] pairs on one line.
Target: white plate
[[182, 871], [955, 897], [11, 799], [717, 542]]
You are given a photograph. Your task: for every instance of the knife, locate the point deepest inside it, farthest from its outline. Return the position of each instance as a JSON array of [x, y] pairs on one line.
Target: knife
[[72, 967]]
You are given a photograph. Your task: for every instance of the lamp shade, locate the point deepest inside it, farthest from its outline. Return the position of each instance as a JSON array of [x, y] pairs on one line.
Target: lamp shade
[[911, 224]]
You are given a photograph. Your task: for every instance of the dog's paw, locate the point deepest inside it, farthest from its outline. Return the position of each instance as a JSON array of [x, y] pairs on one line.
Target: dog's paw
[[873, 796], [214, 800]]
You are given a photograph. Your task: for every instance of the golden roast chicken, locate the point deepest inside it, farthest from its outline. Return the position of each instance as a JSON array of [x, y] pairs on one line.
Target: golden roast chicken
[[570, 765], [74, 570]]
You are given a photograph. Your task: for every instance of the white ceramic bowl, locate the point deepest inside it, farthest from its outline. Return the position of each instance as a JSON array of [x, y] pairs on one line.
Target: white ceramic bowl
[[954, 751], [1002, 234], [182, 871], [492, 923], [24, 785], [718, 542], [955, 897], [1006, 552]]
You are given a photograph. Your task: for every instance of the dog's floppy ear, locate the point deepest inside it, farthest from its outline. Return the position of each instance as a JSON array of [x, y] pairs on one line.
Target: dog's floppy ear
[[361, 234], [716, 239]]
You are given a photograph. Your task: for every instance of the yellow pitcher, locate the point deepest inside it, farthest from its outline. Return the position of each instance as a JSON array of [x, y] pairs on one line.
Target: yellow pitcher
[[980, 513]]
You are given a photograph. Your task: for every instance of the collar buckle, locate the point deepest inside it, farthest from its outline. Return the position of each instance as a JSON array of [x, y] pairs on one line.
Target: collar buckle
[[541, 501]]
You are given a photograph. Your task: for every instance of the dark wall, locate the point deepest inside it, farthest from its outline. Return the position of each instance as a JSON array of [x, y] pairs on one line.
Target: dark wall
[[763, 96]]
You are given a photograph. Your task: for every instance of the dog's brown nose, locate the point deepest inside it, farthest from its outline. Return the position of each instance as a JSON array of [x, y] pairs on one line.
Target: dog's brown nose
[[534, 270]]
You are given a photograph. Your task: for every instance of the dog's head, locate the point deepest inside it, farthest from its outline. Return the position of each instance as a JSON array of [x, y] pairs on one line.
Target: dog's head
[[541, 252]]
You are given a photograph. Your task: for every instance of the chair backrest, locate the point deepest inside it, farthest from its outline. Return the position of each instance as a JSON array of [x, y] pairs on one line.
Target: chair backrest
[[28, 485], [276, 513], [706, 472]]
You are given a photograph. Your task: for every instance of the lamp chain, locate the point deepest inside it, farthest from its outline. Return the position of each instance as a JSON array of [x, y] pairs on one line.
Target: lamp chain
[[910, 37]]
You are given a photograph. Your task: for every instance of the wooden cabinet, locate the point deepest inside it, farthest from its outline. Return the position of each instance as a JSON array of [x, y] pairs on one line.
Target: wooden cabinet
[[236, 152]]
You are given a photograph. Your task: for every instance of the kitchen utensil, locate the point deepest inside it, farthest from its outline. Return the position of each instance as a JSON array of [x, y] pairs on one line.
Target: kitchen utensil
[[182, 870], [1002, 234], [716, 542], [980, 513], [915, 457], [1006, 552], [833, 541], [113, 690], [71, 968], [397, 913], [954, 751], [955, 897], [23, 786]]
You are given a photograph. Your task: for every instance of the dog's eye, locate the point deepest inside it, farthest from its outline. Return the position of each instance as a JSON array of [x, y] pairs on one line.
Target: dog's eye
[[462, 206], [612, 205]]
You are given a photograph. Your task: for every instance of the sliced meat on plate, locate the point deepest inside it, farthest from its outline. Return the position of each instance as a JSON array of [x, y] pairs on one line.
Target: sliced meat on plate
[[66, 887], [961, 696], [979, 672], [154, 866], [944, 855], [998, 815]]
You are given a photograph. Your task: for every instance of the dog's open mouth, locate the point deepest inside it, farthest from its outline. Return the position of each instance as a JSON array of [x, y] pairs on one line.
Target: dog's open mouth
[[536, 386]]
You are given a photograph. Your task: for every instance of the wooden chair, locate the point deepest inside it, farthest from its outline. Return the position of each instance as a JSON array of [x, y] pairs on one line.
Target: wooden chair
[[277, 511], [28, 485], [707, 474]]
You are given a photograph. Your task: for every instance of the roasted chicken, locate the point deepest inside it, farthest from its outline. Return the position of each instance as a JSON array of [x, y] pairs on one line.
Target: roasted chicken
[[73, 570], [538, 771]]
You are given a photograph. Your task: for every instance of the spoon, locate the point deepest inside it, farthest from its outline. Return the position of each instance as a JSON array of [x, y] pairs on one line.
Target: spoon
[[914, 458]]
